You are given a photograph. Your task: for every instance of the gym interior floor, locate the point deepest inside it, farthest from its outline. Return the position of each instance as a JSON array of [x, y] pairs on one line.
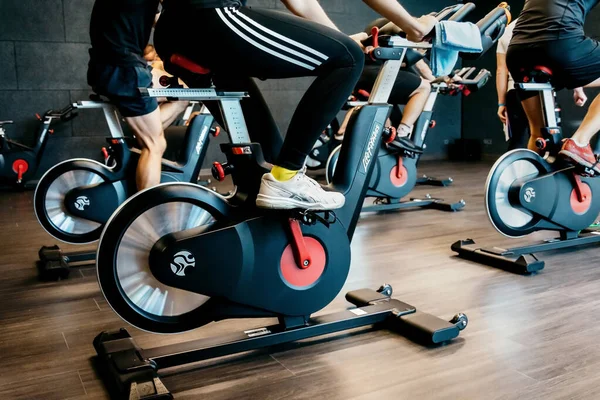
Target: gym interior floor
[[528, 338]]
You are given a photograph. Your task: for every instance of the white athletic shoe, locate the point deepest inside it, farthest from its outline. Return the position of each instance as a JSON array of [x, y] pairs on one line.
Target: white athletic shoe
[[299, 192]]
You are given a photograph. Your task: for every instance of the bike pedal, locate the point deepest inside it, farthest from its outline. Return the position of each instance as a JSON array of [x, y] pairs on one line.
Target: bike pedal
[[311, 217]]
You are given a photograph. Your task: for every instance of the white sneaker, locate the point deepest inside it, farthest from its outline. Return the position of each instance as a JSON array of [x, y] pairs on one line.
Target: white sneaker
[[299, 192]]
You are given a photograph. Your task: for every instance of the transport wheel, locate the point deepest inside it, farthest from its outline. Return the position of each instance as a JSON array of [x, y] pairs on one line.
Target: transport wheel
[[460, 320], [332, 163], [123, 260], [49, 203], [507, 217]]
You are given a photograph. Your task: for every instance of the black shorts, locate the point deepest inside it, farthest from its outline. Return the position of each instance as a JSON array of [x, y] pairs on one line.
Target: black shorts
[[120, 84], [574, 62], [405, 85]]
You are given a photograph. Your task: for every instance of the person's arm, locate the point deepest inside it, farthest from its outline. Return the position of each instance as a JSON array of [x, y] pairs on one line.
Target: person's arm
[[416, 29], [424, 70], [501, 85], [311, 10]]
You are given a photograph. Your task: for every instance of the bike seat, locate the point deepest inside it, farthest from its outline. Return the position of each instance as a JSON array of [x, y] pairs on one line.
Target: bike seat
[[537, 74], [99, 98], [188, 65]]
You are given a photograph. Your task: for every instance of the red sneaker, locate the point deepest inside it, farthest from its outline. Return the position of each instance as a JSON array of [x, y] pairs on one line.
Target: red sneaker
[[583, 156]]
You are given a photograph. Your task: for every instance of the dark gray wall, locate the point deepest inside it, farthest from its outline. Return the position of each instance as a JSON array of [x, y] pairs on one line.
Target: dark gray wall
[[43, 62], [479, 111]]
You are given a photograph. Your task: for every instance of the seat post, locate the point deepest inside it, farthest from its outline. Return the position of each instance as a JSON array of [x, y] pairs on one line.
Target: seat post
[[548, 106]]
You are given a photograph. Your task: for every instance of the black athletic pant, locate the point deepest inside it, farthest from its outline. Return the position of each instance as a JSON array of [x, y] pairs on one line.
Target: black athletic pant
[[240, 43], [518, 124]]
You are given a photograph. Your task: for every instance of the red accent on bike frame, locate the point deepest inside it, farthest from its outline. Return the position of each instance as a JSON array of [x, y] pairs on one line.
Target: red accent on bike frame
[[220, 171], [105, 153], [581, 196], [543, 69], [364, 93], [392, 136], [375, 34], [186, 63]]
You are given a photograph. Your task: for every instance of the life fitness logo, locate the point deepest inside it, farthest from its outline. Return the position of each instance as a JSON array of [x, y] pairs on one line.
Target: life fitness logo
[[529, 195], [371, 147], [182, 261], [201, 140]]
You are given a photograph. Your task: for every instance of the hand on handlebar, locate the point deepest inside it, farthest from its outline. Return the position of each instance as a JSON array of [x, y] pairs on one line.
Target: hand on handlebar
[[502, 115], [426, 24], [359, 38], [579, 97]]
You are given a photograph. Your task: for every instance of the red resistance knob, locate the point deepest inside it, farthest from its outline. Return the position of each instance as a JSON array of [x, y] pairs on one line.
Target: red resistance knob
[[20, 167], [432, 124], [541, 143], [364, 93], [218, 172], [105, 153], [216, 131]]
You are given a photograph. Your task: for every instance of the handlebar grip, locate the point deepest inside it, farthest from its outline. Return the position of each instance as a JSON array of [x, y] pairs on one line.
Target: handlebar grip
[[463, 12]]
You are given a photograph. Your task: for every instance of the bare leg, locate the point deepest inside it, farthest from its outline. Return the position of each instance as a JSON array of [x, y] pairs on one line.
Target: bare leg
[[535, 115], [416, 104], [150, 135], [170, 111]]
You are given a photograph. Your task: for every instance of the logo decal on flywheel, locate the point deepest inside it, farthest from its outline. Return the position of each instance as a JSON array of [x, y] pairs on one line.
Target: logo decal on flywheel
[[529, 195], [181, 262], [81, 203]]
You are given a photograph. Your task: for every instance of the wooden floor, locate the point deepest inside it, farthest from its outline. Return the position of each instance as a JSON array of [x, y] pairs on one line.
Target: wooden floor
[[530, 337]]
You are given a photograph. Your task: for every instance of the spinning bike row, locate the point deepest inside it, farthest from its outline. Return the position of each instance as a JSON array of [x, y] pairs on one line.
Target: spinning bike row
[[74, 199], [157, 265]]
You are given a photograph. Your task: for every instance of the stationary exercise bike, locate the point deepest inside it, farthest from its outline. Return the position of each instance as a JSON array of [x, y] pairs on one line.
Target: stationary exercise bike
[[178, 256], [18, 162], [526, 193], [395, 173], [396, 169], [75, 198], [332, 137]]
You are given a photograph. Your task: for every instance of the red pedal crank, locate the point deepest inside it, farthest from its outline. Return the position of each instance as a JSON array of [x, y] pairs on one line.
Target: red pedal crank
[[301, 253], [579, 190], [19, 167]]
